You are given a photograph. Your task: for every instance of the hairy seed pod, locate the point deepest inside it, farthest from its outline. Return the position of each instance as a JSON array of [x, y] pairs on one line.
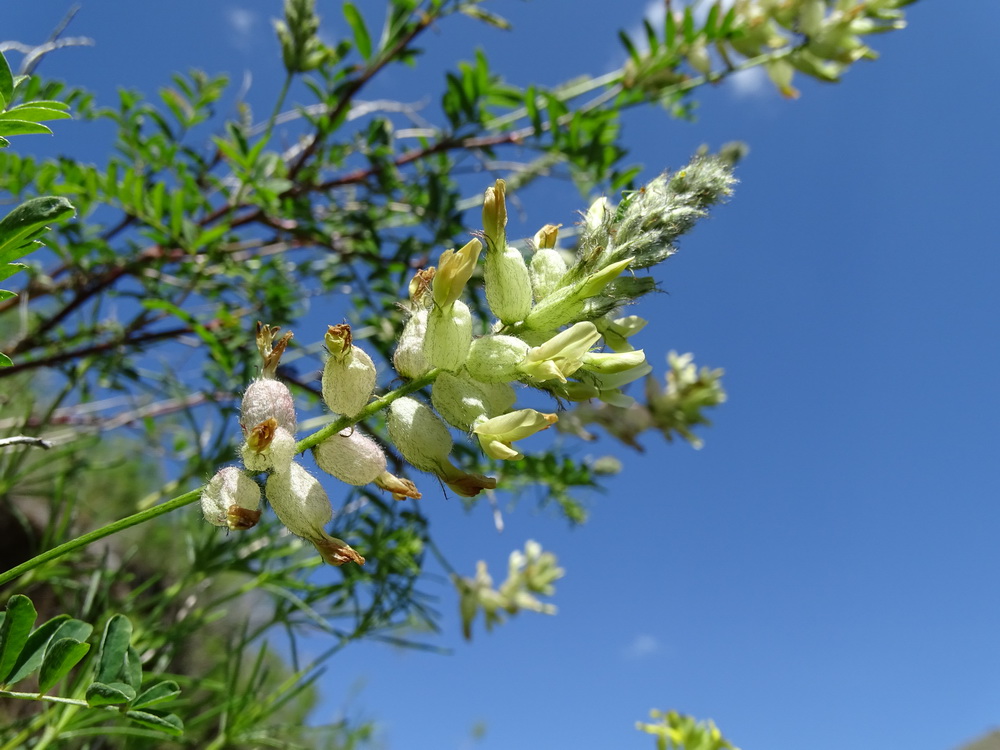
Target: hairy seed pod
[[348, 382], [495, 358], [267, 398], [409, 359], [419, 433], [351, 457], [449, 334], [231, 499], [458, 400]]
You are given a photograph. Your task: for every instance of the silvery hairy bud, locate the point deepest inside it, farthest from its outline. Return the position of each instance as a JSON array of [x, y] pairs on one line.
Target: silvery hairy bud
[[348, 375], [495, 358], [231, 499], [302, 505], [351, 457]]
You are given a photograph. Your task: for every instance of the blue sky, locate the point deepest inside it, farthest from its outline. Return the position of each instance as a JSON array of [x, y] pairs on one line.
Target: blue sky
[[823, 572]]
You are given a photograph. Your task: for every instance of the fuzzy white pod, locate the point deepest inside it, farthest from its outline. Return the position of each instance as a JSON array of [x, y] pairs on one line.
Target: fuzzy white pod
[[299, 501], [458, 400], [231, 499], [495, 358], [351, 457], [348, 383], [268, 398], [409, 359], [277, 455], [500, 397], [449, 335], [420, 435]]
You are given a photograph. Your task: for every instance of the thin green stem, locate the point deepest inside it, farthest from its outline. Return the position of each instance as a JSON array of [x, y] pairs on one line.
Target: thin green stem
[[45, 698], [82, 541], [193, 495]]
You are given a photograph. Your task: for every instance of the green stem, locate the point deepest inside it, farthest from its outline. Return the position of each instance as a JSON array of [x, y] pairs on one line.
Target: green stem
[[46, 698], [193, 495]]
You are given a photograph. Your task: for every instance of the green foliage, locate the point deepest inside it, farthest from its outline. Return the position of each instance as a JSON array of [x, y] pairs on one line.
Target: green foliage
[[54, 648]]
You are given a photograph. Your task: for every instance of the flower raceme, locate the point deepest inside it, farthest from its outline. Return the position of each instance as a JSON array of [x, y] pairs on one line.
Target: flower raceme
[[558, 328]]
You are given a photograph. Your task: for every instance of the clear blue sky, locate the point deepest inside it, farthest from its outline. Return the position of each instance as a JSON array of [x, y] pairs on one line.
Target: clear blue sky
[[823, 573]]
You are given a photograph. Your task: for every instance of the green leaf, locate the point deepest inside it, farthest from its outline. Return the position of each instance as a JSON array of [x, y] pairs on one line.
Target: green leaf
[[362, 40], [14, 632], [113, 694], [31, 655], [23, 127], [8, 270], [168, 723], [114, 648], [19, 226], [158, 693], [5, 361], [133, 668], [61, 657], [6, 83], [74, 629], [33, 113]]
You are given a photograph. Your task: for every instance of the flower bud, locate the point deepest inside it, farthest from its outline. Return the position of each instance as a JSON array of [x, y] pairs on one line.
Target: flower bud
[[495, 216], [562, 355], [351, 457], [616, 332], [348, 375], [496, 434], [409, 359], [698, 58], [268, 448], [459, 400], [302, 505], [613, 362], [781, 72], [266, 398], [508, 284], [449, 334], [495, 358], [454, 270], [232, 499]]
